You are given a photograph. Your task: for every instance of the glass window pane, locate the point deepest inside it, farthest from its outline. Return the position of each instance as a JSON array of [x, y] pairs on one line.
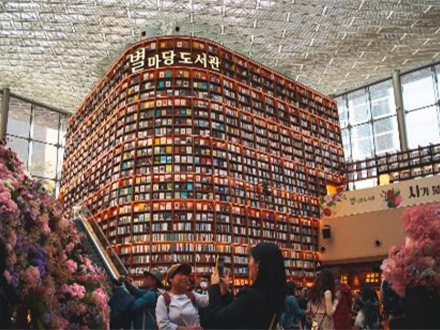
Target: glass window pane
[[342, 110], [45, 125], [60, 162], [362, 142], [437, 71], [382, 99], [386, 135], [422, 127], [346, 143], [19, 117], [358, 107], [63, 127], [44, 160], [49, 185], [20, 146], [368, 183], [418, 89]]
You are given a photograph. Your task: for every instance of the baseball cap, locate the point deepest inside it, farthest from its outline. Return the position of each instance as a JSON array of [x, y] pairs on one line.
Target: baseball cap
[[179, 268], [157, 275]]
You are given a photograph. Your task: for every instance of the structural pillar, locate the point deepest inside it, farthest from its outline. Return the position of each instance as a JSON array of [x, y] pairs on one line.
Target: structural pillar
[[4, 113], [397, 86]]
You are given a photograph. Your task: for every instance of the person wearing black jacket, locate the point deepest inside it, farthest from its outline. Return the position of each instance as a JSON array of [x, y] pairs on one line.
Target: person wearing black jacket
[[256, 307]]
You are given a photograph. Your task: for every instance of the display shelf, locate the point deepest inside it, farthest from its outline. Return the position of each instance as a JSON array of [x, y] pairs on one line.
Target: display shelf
[[186, 150], [399, 166]]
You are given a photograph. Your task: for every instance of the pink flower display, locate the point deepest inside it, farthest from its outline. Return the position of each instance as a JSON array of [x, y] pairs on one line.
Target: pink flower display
[[99, 297], [417, 262], [70, 247], [75, 290], [56, 281], [71, 265], [32, 276]]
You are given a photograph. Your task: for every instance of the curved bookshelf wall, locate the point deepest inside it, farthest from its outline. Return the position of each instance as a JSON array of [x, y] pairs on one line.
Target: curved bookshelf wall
[[186, 150]]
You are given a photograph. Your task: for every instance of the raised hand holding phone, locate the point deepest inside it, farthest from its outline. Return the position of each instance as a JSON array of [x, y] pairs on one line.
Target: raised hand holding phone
[[224, 282], [220, 265]]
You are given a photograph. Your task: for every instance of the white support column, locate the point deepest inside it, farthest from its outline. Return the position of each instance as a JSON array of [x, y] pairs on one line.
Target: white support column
[[403, 136], [4, 113]]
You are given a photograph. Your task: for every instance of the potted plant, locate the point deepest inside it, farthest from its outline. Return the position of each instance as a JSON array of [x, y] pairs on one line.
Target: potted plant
[[413, 268]]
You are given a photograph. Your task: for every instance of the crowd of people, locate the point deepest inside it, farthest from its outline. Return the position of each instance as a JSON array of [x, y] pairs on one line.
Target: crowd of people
[[268, 303], [212, 306]]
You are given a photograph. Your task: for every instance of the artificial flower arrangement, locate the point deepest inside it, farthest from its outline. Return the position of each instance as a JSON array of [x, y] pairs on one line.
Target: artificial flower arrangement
[[416, 263], [328, 202], [391, 198], [56, 281]]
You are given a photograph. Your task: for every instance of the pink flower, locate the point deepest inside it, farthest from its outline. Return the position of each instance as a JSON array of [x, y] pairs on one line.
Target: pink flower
[[32, 276], [12, 239], [75, 290], [82, 308], [6, 202], [100, 298], [7, 276], [64, 223], [398, 200], [63, 256], [45, 224], [71, 265], [69, 247]]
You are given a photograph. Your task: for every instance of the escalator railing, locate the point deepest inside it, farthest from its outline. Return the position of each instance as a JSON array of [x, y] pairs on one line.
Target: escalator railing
[[100, 243]]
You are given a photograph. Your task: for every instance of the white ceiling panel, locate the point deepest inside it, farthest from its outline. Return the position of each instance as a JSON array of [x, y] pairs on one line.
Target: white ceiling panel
[[56, 51]]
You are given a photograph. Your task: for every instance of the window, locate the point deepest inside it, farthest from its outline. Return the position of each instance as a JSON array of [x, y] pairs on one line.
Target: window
[[346, 143], [437, 71], [368, 121], [19, 120], [21, 147], [358, 109], [36, 134], [342, 111], [421, 111], [382, 100], [418, 89], [43, 160], [362, 141], [422, 127], [386, 135], [45, 125]]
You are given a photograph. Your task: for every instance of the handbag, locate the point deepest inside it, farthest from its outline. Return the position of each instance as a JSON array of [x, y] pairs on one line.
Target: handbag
[[311, 321], [360, 319]]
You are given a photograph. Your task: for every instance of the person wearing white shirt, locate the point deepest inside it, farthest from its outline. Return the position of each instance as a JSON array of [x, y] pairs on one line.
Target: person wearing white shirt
[[178, 308]]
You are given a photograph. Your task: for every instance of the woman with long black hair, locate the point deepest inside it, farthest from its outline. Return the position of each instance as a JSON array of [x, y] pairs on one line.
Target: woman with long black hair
[[256, 307], [322, 303]]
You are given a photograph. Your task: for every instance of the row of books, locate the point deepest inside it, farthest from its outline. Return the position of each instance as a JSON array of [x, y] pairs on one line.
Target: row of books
[[319, 130], [283, 90]]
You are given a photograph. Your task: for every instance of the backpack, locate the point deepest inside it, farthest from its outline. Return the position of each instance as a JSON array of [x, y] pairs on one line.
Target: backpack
[[189, 294], [371, 312], [392, 303]]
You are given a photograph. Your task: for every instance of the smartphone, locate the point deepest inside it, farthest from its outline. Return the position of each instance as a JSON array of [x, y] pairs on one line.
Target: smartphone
[[220, 265]]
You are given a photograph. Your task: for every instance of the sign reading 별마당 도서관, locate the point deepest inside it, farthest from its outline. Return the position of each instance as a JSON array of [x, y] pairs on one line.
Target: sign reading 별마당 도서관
[[140, 59], [402, 194]]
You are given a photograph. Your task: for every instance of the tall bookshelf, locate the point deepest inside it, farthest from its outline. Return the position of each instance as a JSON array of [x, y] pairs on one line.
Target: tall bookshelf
[[186, 150]]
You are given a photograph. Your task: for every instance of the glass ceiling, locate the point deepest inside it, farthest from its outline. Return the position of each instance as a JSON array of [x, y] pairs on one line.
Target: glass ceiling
[[56, 51]]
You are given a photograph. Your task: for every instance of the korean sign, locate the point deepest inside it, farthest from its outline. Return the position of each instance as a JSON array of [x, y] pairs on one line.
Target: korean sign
[[402, 194], [139, 60]]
